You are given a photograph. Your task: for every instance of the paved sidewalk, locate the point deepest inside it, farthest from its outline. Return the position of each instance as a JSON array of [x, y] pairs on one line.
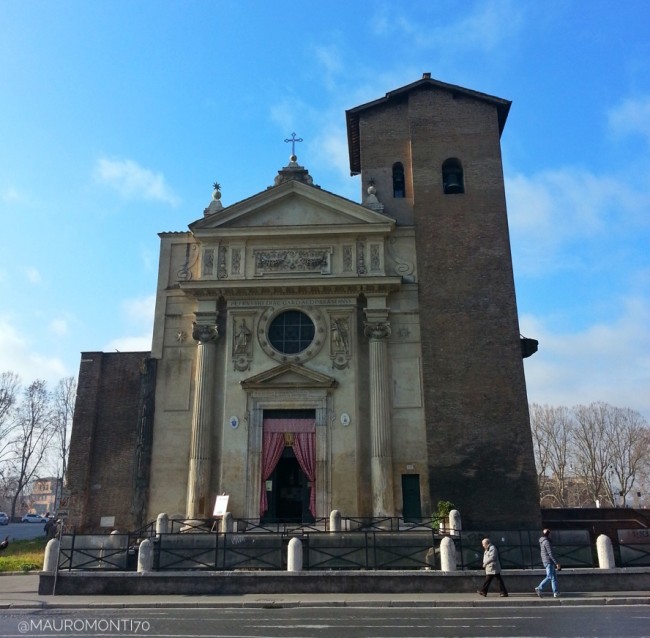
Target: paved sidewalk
[[20, 592]]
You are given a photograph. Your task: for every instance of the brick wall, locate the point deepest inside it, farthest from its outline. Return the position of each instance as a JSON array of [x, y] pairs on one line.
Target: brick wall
[[478, 434], [100, 474]]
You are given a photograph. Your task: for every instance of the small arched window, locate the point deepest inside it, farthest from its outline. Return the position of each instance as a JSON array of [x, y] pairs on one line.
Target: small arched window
[[399, 188], [452, 177]]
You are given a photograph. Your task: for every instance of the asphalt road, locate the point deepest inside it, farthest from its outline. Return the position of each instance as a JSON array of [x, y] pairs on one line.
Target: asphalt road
[[316, 622], [21, 531]]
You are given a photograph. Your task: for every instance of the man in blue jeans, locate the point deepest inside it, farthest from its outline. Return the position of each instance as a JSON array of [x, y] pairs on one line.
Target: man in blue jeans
[[550, 564]]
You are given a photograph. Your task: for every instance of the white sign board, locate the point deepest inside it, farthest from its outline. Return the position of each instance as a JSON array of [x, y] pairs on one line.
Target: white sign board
[[221, 505]]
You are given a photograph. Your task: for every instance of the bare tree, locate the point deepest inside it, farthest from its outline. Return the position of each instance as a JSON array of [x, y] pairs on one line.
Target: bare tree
[[552, 429], [64, 397], [31, 437], [9, 389], [590, 438], [628, 445]]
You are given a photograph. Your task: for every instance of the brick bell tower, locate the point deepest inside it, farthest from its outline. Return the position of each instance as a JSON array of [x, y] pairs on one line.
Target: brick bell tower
[[433, 152]]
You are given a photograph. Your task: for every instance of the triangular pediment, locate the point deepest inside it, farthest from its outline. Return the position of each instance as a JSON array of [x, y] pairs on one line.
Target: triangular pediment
[[288, 375], [292, 205]]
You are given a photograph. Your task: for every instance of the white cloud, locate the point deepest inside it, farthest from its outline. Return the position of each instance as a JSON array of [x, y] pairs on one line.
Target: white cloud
[[483, 29], [330, 60], [140, 310], [605, 362], [330, 148], [632, 117], [132, 181], [129, 344], [138, 313], [17, 356], [286, 113], [551, 210], [59, 327], [33, 275], [10, 195]]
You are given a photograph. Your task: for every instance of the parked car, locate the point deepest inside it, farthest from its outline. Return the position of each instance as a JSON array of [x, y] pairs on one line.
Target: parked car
[[4, 519], [33, 518]]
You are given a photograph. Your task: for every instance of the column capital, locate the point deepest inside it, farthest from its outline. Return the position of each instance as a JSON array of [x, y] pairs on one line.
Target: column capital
[[377, 329], [204, 333]]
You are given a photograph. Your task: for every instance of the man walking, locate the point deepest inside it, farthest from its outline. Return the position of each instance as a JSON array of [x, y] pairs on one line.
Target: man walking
[[492, 567], [550, 564]]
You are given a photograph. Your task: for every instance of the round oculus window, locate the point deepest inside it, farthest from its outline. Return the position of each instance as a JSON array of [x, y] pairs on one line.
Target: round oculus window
[[291, 332]]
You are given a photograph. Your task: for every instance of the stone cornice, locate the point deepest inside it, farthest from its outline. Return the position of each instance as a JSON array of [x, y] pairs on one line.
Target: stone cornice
[[304, 287], [319, 231]]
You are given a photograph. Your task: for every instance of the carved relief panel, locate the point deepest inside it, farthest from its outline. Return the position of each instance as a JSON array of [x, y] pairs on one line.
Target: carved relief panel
[[293, 261]]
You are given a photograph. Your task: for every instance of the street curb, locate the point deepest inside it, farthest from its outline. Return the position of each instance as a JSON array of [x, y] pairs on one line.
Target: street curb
[[280, 604]]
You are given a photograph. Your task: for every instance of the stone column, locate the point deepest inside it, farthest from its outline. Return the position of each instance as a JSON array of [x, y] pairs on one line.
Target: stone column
[[198, 480], [381, 468]]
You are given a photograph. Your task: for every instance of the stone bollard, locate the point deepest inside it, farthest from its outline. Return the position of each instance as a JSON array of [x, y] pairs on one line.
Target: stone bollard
[[51, 555], [605, 552], [294, 555], [107, 550], [455, 524], [447, 555], [162, 524], [145, 556], [227, 523], [335, 521]]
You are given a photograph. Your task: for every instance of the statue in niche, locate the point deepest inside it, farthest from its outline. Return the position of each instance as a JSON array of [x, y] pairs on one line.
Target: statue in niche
[[340, 336], [242, 338]]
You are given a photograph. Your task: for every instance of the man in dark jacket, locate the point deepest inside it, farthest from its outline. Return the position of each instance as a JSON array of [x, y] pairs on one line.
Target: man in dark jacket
[[550, 564]]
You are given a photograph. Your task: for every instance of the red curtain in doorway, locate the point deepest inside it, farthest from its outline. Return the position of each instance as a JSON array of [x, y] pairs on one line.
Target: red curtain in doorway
[[272, 447], [304, 447]]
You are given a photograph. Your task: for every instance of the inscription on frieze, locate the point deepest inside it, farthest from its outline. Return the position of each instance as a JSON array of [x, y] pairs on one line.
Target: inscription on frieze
[[295, 302]]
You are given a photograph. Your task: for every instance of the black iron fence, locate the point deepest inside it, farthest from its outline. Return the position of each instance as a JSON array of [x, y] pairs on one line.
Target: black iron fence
[[634, 547], [370, 544], [105, 552]]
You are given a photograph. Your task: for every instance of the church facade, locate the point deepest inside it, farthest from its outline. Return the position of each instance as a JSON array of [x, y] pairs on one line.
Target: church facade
[[311, 353]]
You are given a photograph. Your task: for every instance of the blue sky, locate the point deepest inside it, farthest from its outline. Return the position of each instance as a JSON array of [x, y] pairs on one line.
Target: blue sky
[[116, 117]]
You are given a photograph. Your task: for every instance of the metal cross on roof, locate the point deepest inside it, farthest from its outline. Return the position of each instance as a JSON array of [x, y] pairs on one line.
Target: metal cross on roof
[[293, 139]]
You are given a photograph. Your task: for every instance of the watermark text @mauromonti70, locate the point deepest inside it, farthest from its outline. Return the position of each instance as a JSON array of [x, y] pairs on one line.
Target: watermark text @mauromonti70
[[46, 626]]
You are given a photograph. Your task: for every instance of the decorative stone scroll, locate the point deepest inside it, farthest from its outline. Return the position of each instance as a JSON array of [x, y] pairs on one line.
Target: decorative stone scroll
[[184, 273], [293, 261]]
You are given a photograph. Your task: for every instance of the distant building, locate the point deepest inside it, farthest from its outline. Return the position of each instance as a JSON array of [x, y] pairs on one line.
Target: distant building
[[312, 353], [45, 492]]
